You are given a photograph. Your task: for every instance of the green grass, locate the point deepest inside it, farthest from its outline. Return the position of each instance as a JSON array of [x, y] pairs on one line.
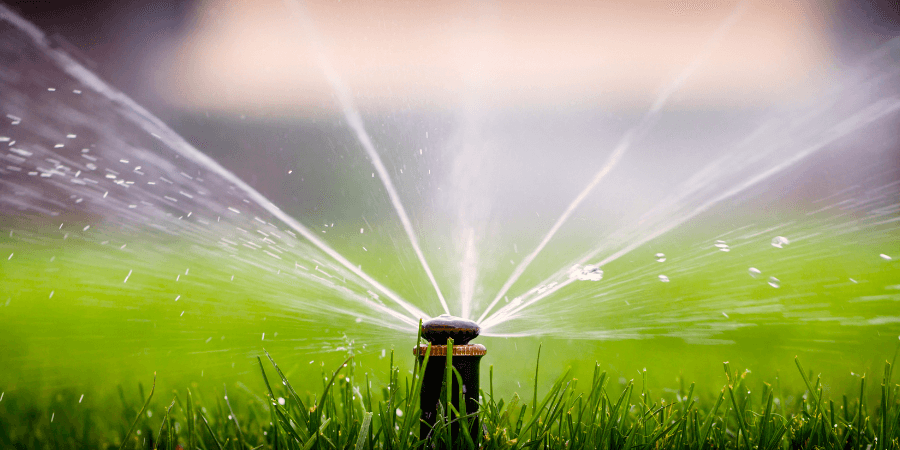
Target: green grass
[[349, 412], [72, 331]]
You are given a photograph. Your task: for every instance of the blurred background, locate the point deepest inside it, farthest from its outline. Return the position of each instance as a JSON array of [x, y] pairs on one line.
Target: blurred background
[[251, 57]]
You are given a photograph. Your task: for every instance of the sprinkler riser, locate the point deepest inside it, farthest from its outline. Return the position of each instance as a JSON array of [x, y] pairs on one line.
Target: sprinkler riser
[[433, 382], [448, 332]]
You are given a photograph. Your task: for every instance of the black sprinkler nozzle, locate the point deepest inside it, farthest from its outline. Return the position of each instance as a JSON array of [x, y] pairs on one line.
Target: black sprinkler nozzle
[[445, 326], [465, 359]]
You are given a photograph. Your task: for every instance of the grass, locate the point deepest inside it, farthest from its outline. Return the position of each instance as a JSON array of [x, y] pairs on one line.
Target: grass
[[71, 326], [349, 413]]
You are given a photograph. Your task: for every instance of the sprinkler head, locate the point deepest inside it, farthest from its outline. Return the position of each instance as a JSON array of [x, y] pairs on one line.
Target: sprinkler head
[[438, 329], [464, 358]]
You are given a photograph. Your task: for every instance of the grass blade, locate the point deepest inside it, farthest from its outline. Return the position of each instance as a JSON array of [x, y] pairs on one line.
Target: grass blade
[[364, 431], [286, 423], [233, 417], [304, 416], [192, 444], [208, 428], [140, 413], [161, 425]]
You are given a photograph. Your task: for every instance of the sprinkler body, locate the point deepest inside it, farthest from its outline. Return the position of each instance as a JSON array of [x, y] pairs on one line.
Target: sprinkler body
[[465, 358]]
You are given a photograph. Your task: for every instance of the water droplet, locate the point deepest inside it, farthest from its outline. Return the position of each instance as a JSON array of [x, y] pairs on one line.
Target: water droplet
[[399, 412], [774, 282], [589, 272], [660, 257], [726, 315], [281, 401], [754, 272], [780, 241], [544, 288], [721, 244], [263, 337], [885, 257], [358, 319], [80, 399], [664, 278]]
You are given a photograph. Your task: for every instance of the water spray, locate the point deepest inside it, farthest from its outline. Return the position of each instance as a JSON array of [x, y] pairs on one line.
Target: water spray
[[443, 332]]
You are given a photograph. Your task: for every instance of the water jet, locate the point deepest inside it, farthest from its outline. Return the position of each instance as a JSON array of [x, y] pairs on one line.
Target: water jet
[[443, 332]]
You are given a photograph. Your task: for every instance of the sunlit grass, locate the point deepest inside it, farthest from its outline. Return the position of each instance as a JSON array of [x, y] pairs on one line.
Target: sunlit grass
[[350, 412]]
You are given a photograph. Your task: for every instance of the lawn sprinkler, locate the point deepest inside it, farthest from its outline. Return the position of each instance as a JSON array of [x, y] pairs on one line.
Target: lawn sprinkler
[[465, 358]]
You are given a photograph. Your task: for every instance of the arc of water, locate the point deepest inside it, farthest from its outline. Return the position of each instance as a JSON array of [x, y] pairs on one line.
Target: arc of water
[[867, 116], [469, 272], [354, 119], [154, 126], [646, 122], [520, 269]]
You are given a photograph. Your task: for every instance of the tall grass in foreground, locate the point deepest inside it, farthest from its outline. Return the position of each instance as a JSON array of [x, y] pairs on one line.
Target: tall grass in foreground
[[349, 415]]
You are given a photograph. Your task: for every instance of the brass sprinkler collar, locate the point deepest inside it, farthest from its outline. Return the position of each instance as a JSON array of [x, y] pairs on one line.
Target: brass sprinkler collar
[[458, 350]]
